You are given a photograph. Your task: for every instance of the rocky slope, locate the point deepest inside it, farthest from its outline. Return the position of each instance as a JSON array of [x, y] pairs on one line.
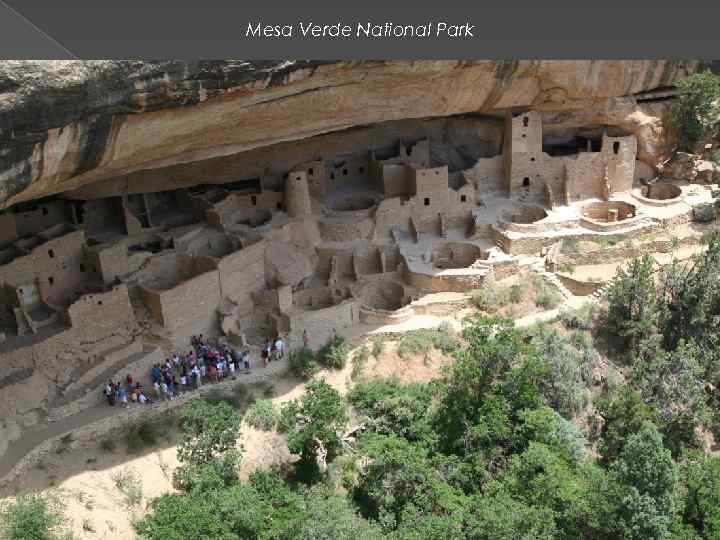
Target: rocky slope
[[69, 124]]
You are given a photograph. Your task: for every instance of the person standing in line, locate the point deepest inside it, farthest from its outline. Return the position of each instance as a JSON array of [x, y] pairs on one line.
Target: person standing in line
[[123, 397], [110, 394], [197, 376], [280, 347], [265, 353]]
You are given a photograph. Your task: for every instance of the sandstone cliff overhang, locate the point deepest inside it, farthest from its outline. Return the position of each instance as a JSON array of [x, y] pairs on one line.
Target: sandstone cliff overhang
[[69, 124]]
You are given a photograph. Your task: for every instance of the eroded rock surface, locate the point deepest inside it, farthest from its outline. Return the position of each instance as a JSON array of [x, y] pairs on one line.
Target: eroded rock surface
[[67, 124]]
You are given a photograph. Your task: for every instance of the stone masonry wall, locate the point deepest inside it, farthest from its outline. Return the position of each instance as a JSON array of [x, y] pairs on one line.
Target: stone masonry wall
[[95, 316], [242, 273]]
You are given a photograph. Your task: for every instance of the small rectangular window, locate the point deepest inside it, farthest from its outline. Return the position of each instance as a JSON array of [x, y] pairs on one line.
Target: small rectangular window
[[427, 201]]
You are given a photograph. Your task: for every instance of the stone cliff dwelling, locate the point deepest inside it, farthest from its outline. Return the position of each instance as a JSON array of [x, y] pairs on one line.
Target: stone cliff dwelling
[[351, 227]]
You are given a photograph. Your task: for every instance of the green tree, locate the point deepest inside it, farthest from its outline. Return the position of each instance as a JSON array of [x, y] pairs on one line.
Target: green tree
[[311, 425], [400, 482], [632, 310], [209, 430], [696, 114], [392, 407], [562, 385], [701, 477], [329, 516], [471, 393], [544, 478], [648, 480], [216, 474], [545, 425], [498, 516], [178, 517], [623, 412], [691, 297], [672, 383]]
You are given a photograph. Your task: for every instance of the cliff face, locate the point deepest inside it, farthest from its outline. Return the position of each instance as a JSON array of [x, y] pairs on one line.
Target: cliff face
[[64, 124]]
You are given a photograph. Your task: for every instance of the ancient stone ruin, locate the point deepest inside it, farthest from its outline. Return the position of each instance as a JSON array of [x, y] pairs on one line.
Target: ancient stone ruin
[[127, 230]]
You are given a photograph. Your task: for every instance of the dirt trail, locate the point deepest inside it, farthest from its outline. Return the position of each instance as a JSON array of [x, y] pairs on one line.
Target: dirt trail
[[37, 435]]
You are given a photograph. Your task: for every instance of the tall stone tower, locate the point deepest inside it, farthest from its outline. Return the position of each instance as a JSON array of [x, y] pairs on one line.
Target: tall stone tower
[[297, 194], [523, 152]]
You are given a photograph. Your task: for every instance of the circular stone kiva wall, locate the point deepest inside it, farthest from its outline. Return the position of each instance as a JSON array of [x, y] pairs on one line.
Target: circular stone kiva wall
[[387, 296], [663, 192], [607, 212], [524, 215]]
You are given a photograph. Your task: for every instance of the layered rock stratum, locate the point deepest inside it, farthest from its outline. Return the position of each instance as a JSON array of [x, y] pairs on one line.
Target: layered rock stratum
[[123, 126]]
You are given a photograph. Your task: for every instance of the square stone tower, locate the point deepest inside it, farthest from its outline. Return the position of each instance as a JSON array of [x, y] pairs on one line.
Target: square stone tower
[[523, 152]]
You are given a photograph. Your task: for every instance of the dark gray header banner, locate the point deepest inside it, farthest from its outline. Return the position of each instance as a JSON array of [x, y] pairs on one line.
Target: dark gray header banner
[[323, 29]]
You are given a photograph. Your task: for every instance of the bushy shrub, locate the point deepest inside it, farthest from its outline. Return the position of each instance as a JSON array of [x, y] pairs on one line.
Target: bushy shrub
[[566, 268], [378, 346], [334, 353], [560, 379], [262, 415], [394, 408], [516, 293], [546, 296], [198, 478], [423, 340], [209, 430], [545, 425], [141, 436], [581, 318], [570, 246], [303, 364], [33, 516], [608, 240], [129, 484], [108, 445], [491, 297], [359, 359]]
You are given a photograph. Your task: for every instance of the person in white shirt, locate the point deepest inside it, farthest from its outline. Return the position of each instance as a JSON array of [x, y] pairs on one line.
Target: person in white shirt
[[279, 347]]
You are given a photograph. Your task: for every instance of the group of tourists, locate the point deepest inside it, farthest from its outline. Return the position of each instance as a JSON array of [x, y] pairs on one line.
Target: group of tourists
[[182, 373], [115, 392], [273, 350]]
